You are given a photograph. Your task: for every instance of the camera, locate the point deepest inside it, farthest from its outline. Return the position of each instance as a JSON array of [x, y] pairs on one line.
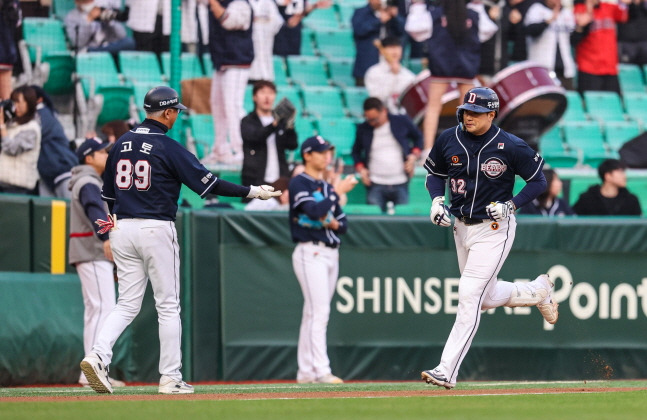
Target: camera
[[8, 108]]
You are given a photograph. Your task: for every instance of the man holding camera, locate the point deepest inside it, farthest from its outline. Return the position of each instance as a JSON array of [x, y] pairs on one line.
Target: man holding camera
[[92, 28]]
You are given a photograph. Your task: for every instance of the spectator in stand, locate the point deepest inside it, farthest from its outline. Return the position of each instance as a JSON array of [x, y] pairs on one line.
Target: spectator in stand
[[267, 23], [612, 197], [491, 50], [265, 139], [150, 21], [93, 28], [632, 35], [195, 26], [596, 44], [56, 158], [548, 29], [385, 151], [549, 203], [387, 79], [20, 144], [232, 53], [373, 22], [454, 35], [513, 28], [9, 21], [288, 39]]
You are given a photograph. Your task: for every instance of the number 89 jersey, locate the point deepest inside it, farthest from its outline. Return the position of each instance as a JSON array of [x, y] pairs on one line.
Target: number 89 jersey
[[145, 171], [481, 169]]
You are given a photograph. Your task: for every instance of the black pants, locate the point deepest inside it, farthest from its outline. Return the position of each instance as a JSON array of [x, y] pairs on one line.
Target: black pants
[[588, 81], [155, 41]]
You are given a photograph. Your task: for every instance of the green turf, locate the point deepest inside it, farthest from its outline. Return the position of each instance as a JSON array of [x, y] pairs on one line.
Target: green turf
[[441, 404]]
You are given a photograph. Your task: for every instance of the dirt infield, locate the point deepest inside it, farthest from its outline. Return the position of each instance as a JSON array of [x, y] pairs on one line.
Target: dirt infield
[[432, 392]]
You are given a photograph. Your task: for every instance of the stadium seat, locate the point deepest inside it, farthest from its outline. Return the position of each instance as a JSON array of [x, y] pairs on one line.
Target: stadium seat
[[586, 137], [413, 209], [619, 132], [364, 209], [631, 78], [636, 106], [280, 71], [606, 106], [293, 93], [44, 36], [354, 98], [418, 194], [335, 43], [305, 70], [190, 67], [207, 64], [574, 108], [341, 71], [416, 65], [322, 19], [98, 68], [200, 134], [248, 101], [323, 102], [140, 66], [140, 89], [554, 151], [60, 8], [61, 68], [307, 43], [346, 12], [305, 128], [341, 133]]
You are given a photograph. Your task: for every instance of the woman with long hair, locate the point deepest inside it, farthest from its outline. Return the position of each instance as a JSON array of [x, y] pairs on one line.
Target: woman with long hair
[[548, 203]]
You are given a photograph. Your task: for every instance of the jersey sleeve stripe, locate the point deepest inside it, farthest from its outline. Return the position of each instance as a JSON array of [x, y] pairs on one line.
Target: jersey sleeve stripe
[[431, 171], [308, 198], [536, 171], [209, 187], [107, 198]]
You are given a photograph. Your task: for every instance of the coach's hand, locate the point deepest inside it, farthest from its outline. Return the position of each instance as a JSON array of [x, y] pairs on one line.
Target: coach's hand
[[499, 211], [439, 212], [264, 192]]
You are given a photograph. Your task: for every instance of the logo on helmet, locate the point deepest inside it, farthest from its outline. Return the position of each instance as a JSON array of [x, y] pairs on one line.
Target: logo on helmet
[[493, 168]]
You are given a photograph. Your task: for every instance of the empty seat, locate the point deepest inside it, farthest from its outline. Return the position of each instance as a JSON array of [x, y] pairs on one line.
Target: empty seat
[[200, 134], [293, 93], [416, 65], [335, 43], [341, 133], [44, 35], [605, 106], [322, 18], [636, 106], [365, 209], [280, 71], [207, 64], [354, 97], [323, 102], [341, 71], [140, 66], [305, 128], [307, 42], [346, 12], [305, 70], [574, 107], [586, 137], [60, 8], [554, 151], [619, 132], [140, 89], [190, 66], [61, 68], [631, 78]]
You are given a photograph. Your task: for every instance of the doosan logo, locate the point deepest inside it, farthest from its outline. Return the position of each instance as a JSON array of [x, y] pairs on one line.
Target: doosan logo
[[168, 102], [493, 168]]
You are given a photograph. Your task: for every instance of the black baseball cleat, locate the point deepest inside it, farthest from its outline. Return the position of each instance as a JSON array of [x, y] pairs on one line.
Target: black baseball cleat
[[436, 378]]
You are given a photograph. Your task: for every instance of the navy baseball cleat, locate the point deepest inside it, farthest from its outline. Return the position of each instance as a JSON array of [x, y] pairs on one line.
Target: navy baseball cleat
[[436, 378]]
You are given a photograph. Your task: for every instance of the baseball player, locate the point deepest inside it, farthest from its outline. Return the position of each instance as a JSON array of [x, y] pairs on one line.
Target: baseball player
[[316, 220], [480, 162], [142, 180], [89, 251]]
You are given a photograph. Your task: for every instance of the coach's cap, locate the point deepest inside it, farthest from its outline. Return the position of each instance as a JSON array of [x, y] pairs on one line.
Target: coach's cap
[[315, 144], [90, 145], [161, 97]]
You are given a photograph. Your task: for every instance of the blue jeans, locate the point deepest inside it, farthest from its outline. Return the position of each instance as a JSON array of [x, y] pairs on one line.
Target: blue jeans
[[381, 194]]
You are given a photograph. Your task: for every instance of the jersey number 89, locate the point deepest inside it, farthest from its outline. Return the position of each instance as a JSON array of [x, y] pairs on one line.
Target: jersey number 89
[[124, 177]]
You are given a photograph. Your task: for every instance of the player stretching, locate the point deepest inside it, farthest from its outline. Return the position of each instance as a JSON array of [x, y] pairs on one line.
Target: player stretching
[[141, 183], [481, 161]]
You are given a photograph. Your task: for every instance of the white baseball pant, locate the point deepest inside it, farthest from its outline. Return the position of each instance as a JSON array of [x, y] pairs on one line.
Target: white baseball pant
[[227, 97], [146, 249], [317, 269]]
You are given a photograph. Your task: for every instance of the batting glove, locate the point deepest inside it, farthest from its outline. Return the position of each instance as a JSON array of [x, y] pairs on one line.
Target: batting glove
[[439, 214], [499, 211], [264, 192]]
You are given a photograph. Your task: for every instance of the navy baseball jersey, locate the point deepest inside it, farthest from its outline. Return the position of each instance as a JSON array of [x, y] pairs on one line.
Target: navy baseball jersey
[[145, 170], [310, 200], [482, 169]]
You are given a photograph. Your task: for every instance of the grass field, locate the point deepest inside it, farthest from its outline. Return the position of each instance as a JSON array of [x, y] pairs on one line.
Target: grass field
[[578, 400]]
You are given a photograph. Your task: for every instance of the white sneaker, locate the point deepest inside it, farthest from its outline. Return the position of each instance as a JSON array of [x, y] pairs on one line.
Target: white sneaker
[[548, 308], [169, 385], [328, 379], [436, 377], [96, 373], [116, 383], [305, 380]]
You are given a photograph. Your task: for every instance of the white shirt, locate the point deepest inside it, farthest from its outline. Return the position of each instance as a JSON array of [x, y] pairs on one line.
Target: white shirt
[[385, 165], [420, 25], [381, 83], [272, 172], [267, 23]]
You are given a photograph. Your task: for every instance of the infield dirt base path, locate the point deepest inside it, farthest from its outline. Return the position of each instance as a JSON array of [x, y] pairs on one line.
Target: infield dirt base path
[[432, 392]]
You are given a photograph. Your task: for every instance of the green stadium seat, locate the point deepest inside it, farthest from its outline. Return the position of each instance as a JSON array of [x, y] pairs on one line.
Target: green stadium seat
[[116, 103], [346, 12], [60, 8], [307, 42], [207, 64], [619, 132], [44, 36], [280, 71], [97, 66], [323, 102], [322, 19], [574, 108], [586, 137], [200, 133], [305, 70], [341, 71], [305, 128], [416, 65], [293, 93], [335, 43], [61, 69], [364, 209], [636, 106], [631, 78], [248, 101], [140, 66], [604, 105], [341, 133], [354, 97], [413, 209], [418, 194], [190, 66], [554, 151], [140, 89]]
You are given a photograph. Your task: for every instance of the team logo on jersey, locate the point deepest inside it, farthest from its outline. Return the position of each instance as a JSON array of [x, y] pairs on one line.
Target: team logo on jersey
[[455, 159], [142, 130], [500, 146], [494, 226], [493, 168]]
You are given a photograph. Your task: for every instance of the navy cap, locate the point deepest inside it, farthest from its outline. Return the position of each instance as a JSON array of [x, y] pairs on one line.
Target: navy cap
[[90, 145], [161, 97], [315, 144]]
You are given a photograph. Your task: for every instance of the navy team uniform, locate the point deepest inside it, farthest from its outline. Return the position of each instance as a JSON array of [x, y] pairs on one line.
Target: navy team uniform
[[316, 264], [141, 183], [480, 173]]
